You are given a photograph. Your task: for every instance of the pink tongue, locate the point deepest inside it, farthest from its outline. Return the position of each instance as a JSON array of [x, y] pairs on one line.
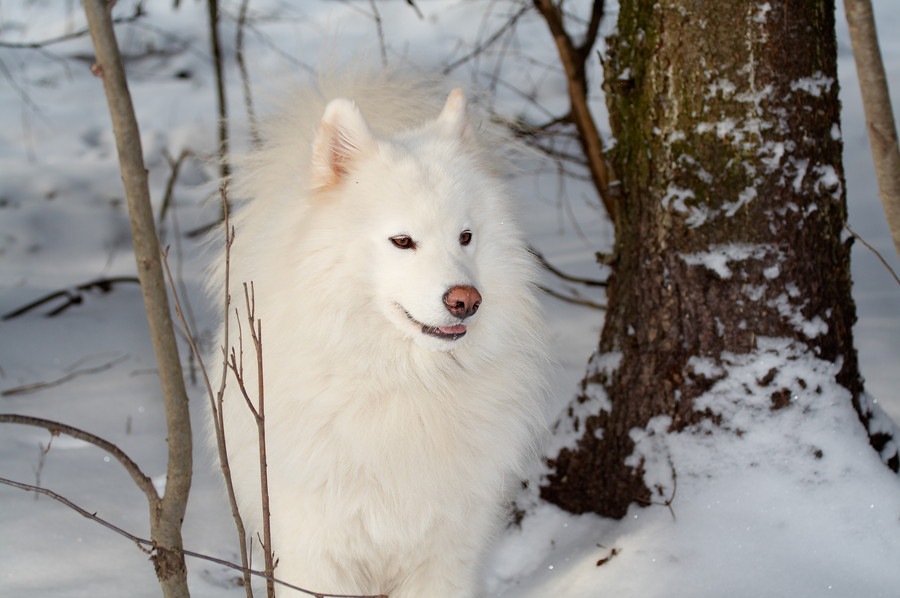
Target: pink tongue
[[458, 329]]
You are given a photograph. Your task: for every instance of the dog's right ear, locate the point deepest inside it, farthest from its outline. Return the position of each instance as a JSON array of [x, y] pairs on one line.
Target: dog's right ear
[[342, 137]]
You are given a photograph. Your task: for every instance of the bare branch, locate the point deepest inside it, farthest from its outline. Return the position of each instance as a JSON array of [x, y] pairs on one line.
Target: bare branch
[[36, 386], [571, 299], [491, 40], [573, 60], [73, 296], [875, 251], [548, 266], [245, 75], [593, 28], [216, 47], [142, 542], [55, 428], [378, 25], [175, 164], [215, 399], [259, 413], [138, 13], [415, 8]]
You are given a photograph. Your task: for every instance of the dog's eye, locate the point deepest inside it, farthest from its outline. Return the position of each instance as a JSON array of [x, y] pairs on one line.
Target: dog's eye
[[403, 242], [465, 237]]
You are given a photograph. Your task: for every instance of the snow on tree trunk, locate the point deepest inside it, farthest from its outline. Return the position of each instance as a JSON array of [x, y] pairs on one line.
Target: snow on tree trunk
[[730, 234]]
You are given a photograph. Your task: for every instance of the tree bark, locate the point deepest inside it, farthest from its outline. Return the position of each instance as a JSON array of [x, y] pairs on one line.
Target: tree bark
[[729, 227], [166, 514]]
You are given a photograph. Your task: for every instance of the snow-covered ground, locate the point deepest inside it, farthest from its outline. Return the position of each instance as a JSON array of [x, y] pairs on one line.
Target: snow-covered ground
[[766, 513]]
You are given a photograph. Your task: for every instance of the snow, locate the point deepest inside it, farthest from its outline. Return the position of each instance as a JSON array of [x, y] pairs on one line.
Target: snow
[[815, 85], [719, 256], [794, 505]]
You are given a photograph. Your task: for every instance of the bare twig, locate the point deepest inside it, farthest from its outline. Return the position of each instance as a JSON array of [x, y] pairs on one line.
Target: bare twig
[[55, 428], [593, 28], [169, 207], [415, 8], [142, 542], [42, 459], [35, 45], [245, 74], [213, 9], [259, 413], [553, 270], [36, 386], [877, 107], [671, 499], [491, 40], [571, 299], [378, 26], [873, 250], [73, 296], [175, 166], [216, 399]]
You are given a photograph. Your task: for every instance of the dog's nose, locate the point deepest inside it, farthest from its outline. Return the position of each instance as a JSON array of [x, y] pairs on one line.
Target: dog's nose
[[462, 301]]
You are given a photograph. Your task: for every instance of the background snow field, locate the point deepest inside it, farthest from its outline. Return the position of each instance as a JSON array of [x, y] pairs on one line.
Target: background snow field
[[764, 512]]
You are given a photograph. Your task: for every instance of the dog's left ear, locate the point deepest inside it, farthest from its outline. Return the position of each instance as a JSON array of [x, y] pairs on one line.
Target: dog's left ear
[[452, 119]]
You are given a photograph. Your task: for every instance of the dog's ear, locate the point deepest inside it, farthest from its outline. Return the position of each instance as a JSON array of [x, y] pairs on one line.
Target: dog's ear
[[342, 137], [453, 119]]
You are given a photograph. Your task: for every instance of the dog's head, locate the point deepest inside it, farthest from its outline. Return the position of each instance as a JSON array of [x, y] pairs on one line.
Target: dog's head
[[424, 210]]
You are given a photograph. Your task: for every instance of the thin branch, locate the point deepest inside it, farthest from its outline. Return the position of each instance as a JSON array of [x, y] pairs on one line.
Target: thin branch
[[216, 399], [138, 13], [73, 296], [259, 413], [245, 74], [84, 513], [573, 61], [168, 206], [142, 542], [412, 4], [36, 386], [55, 428], [553, 270], [571, 299], [491, 40], [593, 29], [873, 250], [175, 166], [216, 47], [378, 26]]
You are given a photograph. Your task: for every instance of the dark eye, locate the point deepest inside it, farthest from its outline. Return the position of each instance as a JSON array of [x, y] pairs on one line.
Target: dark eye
[[403, 242], [465, 237]]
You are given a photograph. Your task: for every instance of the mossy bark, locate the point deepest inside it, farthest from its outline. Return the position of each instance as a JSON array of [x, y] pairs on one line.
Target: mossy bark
[[730, 223]]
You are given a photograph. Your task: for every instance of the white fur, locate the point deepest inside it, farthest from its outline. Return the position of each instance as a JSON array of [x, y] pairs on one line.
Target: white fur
[[390, 452]]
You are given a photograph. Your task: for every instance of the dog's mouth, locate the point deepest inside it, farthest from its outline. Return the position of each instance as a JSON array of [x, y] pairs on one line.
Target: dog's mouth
[[448, 333]]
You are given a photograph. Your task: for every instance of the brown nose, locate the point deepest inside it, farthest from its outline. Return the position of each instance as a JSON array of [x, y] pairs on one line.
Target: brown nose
[[462, 301]]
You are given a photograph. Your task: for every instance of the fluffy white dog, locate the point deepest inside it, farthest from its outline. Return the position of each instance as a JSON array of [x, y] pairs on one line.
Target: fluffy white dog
[[402, 341]]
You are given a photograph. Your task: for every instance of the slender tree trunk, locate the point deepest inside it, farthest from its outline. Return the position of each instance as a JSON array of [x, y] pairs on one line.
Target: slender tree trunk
[[166, 514], [729, 228], [877, 105]]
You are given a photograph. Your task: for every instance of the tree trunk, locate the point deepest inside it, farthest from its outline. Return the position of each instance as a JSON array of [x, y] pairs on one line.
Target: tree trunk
[[729, 228], [166, 513]]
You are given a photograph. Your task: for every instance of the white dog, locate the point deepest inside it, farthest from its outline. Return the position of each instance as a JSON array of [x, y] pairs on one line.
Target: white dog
[[402, 341]]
